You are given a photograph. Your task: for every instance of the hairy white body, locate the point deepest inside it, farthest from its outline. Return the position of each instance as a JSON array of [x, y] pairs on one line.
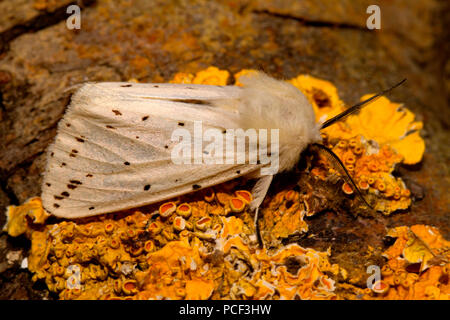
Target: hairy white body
[[113, 147]]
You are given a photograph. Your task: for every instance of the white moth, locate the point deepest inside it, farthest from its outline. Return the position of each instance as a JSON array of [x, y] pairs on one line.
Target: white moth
[[113, 149]]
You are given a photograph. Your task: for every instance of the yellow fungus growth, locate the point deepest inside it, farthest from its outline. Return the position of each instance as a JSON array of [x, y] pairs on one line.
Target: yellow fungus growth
[[418, 244], [16, 223], [283, 217], [417, 266], [129, 287], [183, 78], [166, 209], [245, 195], [212, 76], [387, 123], [206, 254], [237, 204], [405, 276], [347, 188], [221, 259], [322, 94], [380, 287], [371, 169], [184, 210]]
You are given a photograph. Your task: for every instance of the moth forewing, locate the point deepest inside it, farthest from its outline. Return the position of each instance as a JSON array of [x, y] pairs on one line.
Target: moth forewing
[[113, 149]]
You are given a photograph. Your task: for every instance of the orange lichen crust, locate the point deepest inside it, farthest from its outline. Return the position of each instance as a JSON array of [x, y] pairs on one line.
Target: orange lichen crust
[[417, 267], [197, 250], [282, 217], [211, 76], [418, 244], [17, 216], [371, 169], [322, 94], [387, 123], [142, 255]]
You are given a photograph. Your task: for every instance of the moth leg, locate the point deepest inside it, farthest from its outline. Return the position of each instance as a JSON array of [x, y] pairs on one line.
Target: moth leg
[[259, 192]]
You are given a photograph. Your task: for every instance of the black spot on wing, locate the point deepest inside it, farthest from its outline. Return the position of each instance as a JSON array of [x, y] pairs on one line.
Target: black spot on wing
[[79, 139], [144, 118], [126, 85], [56, 205], [126, 163], [147, 187], [89, 175], [58, 197], [76, 182], [65, 194], [192, 101], [109, 127], [196, 187], [181, 124], [91, 208], [71, 186], [117, 112]]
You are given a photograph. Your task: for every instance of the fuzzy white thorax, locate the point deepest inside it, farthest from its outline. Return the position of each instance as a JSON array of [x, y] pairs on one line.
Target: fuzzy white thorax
[[267, 103]]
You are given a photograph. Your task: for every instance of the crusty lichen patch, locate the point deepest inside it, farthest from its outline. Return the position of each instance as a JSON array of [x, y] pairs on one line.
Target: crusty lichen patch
[[418, 266], [16, 223], [142, 255], [213, 253]]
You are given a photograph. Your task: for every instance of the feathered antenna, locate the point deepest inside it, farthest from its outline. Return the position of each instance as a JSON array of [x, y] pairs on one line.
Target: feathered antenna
[[335, 159], [357, 107]]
